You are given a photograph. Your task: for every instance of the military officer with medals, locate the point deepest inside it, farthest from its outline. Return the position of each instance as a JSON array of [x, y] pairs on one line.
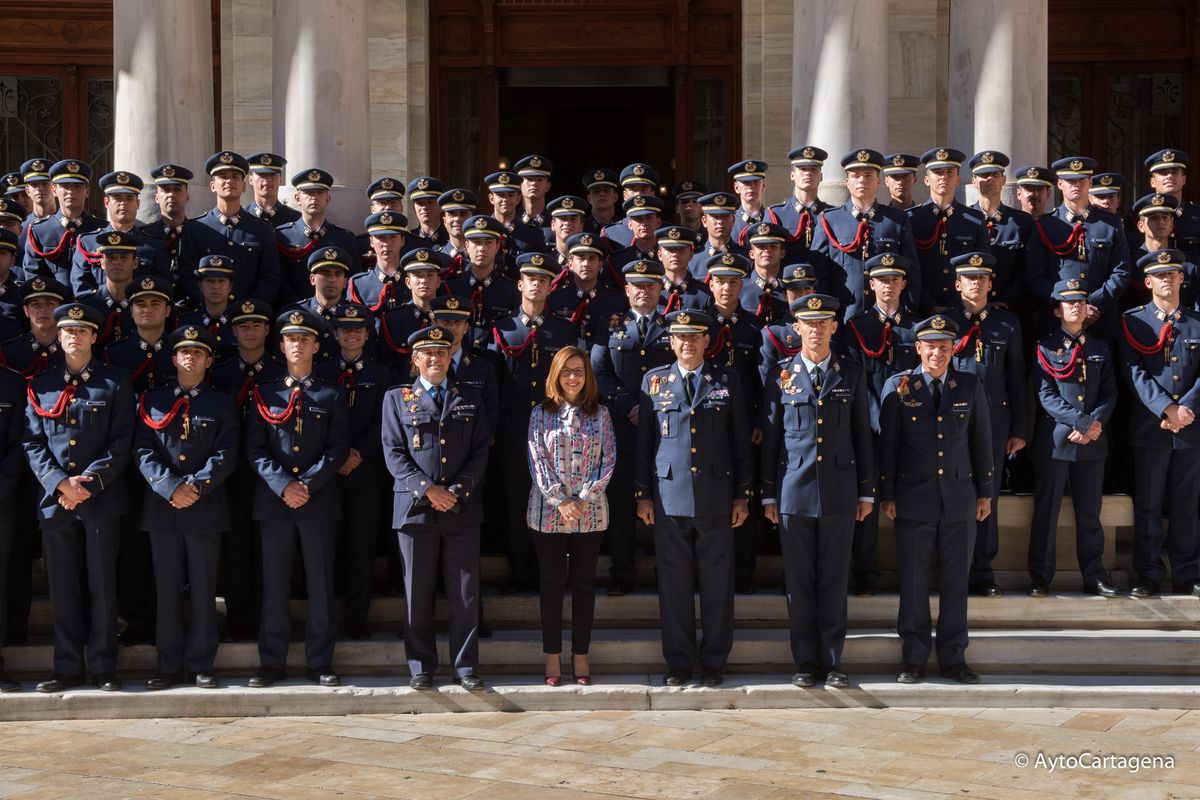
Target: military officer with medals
[[750, 184], [990, 348], [935, 476], [523, 345], [50, 241], [216, 286], [580, 298], [1008, 231], [943, 228], [1168, 175], [78, 439], [381, 288], [676, 246], [1077, 392], [297, 241], [298, 437], [818, 478], [229, 229], [694, 477], [492, 294], [436, 439], [1079, 241], [266, 174], [637, 343], [186, 448], [798, 214], [780, 340], [880, 340], [847, 236], [636, 179], [1160, 355], [362, 477]]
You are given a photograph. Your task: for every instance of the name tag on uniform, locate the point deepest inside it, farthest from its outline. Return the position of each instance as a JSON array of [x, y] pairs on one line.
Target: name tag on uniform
[[962, 406], [840, 392]]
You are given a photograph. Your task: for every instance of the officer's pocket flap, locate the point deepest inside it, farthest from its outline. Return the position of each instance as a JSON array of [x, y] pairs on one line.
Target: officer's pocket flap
[[663, 467]]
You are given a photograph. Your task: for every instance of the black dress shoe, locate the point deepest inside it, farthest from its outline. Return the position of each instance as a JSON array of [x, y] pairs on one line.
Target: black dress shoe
[[7, 684], [203, 680], [60, 683], [711, 677], [1143, 587], [421, 681], [325, 676], [836, 679], [961, 673], [1039, 588], [1104, 589], [677, 677], [471, 682], [986, 589], [107, 682], [617, 589], [162, 680], [806, 675], [910, 673], [265, 677]]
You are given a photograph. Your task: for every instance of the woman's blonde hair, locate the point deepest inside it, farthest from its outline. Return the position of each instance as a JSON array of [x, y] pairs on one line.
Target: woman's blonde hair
[[589, 395]]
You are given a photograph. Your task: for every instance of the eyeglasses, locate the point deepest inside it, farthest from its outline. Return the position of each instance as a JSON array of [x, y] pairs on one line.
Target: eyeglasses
[[574, 373]]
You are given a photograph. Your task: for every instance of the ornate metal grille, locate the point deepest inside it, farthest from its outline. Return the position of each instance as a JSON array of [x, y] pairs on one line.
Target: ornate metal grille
[[31, 117]]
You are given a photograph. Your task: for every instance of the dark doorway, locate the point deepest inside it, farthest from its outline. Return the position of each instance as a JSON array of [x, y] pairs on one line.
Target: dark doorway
[[581, 127]]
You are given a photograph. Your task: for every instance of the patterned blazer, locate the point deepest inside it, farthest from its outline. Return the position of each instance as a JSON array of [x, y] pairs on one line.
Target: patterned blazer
[[571, 456]]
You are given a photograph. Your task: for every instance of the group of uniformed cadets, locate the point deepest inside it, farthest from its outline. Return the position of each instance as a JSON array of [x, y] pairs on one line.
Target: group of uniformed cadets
[[798, 366]]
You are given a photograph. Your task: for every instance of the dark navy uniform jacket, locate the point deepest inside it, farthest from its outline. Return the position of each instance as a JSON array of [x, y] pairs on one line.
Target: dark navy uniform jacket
[[698, 266], [1076, 386], [622, 362], [688, 293], [170, 240], [92, 436], [1008, 231], [218, 325], [295, 241], [994, 354], [519, 238], [935, 462], [817, 456], [842, 272], [1169, 372], [363, 384], [493, 297], [378, 291], [50, 246], [618, 232], [801, 222], [281, 214], [693, 459], [309, 446], [880, 355], [198, 446], [474, 370], [148, 364], [765, 299], [734, 342], [1187, 229], [743, 220], [87, 274], [329, 344], [525, 361], [239, 378], [249, 243], [589, 313], [118, 321], [1102, 267], [424, 445], [12, 431], [1136, 293], [940, 235], [394, 329], [28, 356]]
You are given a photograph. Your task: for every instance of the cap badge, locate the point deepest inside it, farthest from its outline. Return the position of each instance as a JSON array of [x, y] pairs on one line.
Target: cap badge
[[683, 319], [938, 323], [72, 166], [225, 158], [568, 203], [764, 229], [351, 312], [1072, 284], [313, 175], [1106, 180], [38, 166], [147, 283], [862, 156], [1076, 165], [1168, 155], [385, 218], [1163, 258], [265, 159], [122, 177], [687, 186], [988, 157], [247, 307], [586, 240], [421, 255], [422, 183], [481, 223], [216, 261], [38, 285], [1032, 172], [536, 260], [751, 166], [976, 260], [728, 259], [814, 303], [114, 238], [75, 312], [639, 201], [808, 152], [451, 303], [535, 162], [458, 196], [638, 169], [941, 155], [720, 200], [296, 318], [598, 175], [887, 259], [674, 233], [191, 333], [502, 178], [331, 253], [640, 266], [898, 161], [436, 334], [387, 183], [168, 171], [1157, 200]]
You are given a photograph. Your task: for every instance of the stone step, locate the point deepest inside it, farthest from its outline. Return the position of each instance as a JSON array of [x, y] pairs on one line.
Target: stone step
[[616, 692], [1031, 651]]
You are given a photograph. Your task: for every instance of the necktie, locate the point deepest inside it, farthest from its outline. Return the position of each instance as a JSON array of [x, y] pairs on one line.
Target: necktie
[[689, 387], [818, 379], [436, 392], [642, 321], [936, 386]]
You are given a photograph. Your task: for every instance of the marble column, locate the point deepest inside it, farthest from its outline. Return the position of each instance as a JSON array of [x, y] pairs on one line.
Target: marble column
[[163, 68], [839, 81], [998, 80], [321, 111]]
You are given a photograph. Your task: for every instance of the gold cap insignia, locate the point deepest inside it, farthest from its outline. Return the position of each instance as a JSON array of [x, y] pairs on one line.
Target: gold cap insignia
[[1169, 155], [481, 223], [1157, 200], [536, 260], [684, 319], [1106, 180], [1163, 258], [72, 166], [76, 312], [421, 255], [887, 259], [720, 200], [750, 166], [331, 253], [351, 312], [265, 159], [639, 266], [451, 303], [147, 283], [639, 201], [674, 233], [586, 240], [638, 169], [38, 285], [436, 334], [122, 177], [764, 229], [728, 259], [862, 156], [168, 171], [114, 238], [1032, 172], [502, 178], [814, 303], [247, 307], [313, 175], [216, 261], [598, 175], [941, 155], [898, 160], [458, 196], [38, 166], [1076, 165], [975, 260], [422, 183], [808, 152], [385, 218], [1073, 284], [387, 183], [225, 158], [568, 203], [535, 162], [191, 333], [988, 157], [938, 323], [686, 186], [296, 318]]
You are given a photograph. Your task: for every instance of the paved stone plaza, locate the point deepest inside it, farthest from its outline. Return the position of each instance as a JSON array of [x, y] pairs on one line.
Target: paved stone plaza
[[742, 755]]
